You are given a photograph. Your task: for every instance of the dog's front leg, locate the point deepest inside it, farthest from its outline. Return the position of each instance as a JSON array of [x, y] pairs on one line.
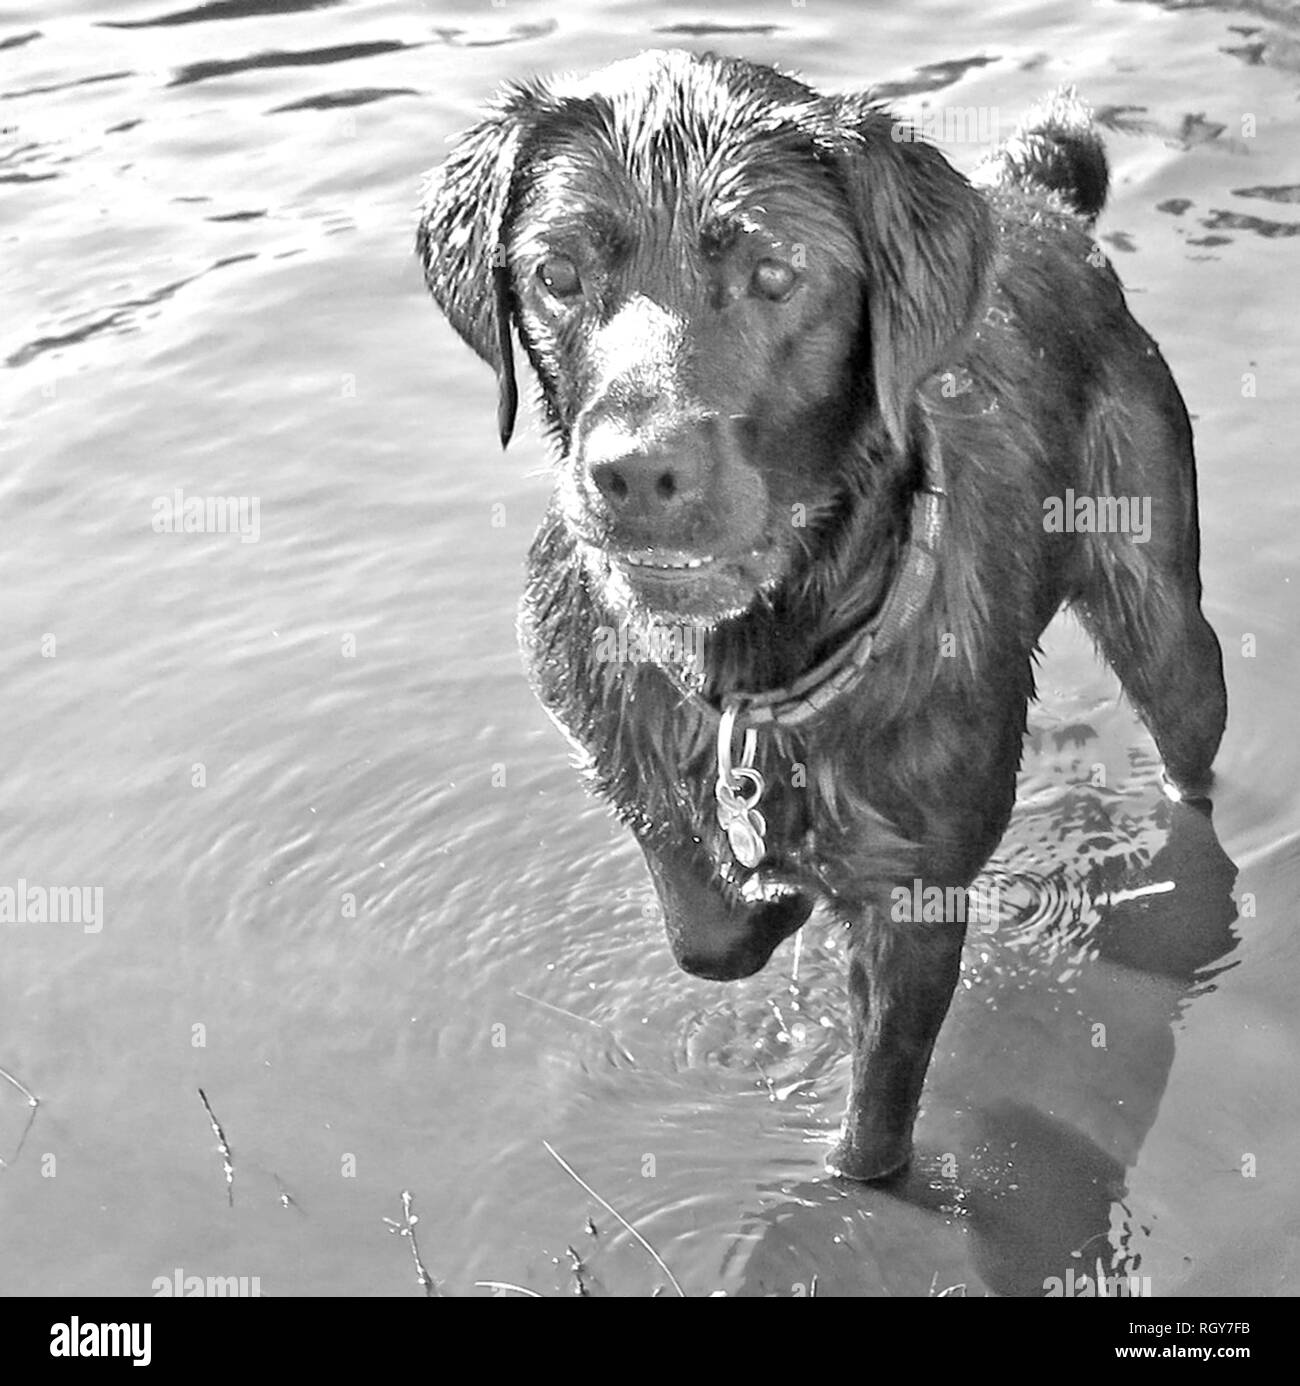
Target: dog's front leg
[[901, 978]]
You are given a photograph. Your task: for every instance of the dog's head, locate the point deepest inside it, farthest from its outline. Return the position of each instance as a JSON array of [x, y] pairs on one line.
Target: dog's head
[[729, 288]]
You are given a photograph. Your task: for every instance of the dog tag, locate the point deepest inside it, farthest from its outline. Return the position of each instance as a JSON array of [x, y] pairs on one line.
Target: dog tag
[[738, 817], [746, 843]]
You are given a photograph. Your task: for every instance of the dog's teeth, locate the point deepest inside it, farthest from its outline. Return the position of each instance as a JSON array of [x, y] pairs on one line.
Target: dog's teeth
[[651, 560]]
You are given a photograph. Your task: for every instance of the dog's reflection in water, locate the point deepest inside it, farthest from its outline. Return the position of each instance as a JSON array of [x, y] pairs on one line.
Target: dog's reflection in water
[[1038, 1105]]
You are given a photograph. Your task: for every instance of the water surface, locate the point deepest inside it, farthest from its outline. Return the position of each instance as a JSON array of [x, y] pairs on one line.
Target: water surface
[[351, 887]]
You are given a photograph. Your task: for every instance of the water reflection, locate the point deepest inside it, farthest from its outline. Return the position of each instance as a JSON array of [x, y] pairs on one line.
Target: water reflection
[[1031, 1157]]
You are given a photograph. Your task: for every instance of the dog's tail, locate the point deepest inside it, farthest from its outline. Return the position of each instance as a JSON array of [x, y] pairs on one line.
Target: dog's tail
[[1055, 146]]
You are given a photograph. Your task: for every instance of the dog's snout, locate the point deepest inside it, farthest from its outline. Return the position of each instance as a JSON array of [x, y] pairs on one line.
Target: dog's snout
[[724, 947]]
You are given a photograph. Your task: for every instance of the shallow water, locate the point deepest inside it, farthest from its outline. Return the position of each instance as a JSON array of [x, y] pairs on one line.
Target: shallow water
[[282, 760]]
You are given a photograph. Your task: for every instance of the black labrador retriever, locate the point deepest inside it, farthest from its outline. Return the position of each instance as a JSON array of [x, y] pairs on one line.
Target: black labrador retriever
[[838, 432]]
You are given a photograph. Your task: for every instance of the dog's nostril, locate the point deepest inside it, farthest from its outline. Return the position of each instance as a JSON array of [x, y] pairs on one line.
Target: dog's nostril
[[641, 483]]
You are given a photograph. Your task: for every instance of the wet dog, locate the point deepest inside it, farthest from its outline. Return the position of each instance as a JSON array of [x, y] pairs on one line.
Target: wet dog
[[838, 431]]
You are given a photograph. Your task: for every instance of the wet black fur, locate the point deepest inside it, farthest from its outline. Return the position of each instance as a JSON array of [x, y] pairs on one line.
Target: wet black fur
[[987, 311]]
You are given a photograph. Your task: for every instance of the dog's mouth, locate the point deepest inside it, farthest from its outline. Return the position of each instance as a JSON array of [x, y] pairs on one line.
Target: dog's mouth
[[702, 587], [664, 560]]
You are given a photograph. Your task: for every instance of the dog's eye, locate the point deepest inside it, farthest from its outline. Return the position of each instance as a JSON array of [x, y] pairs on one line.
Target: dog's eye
[[773, 279], [560, 275]]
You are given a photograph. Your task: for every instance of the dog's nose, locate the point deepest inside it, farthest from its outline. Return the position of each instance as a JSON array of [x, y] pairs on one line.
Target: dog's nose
[[645, 469], [648, 485]]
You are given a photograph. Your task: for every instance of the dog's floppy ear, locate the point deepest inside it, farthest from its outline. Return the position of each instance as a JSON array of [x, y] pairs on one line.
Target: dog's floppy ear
[[928, 240], [461, 239]]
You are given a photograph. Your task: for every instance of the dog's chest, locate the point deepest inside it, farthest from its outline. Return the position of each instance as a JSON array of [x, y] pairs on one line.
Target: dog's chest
[[806, 817]]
